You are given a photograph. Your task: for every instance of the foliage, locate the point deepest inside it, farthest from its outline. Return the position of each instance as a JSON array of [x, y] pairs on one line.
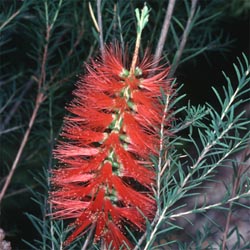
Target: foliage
[[43, 47]]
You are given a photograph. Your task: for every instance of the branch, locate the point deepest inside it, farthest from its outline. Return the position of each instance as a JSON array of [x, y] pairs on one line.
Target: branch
[[99, 18], [160, 169], [236, 183], [10, 19], [215, 205], [89, 237], [6, 131], [184, 39], [164, 32], [39, 100], [158, 180]]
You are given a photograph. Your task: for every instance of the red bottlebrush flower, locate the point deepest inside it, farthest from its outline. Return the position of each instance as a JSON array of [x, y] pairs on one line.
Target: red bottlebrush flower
[[106, 177]]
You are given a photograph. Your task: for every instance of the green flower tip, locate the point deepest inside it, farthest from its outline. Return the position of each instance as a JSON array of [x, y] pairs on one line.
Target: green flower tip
[[138, 71], [124, 73]]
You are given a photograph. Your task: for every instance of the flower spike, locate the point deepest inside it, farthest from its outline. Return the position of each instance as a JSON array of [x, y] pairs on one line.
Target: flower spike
[[106, 178]]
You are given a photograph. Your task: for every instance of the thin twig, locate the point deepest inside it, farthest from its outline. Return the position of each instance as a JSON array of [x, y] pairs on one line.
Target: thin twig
[[185, 35], [164, 32], [44, 59], [204, 154], [143, 237], [20, 191], [99, 18], [7, 102], [93, 17], [10, 19], [114, 21], [158, 181], [230, 212], [120, 31], [39, 100], [159, 175], [6, 131], [89, 237], [208, 207]]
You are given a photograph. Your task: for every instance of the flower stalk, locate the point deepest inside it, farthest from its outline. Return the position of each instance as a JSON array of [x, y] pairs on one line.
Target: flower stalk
[[141, 23]]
